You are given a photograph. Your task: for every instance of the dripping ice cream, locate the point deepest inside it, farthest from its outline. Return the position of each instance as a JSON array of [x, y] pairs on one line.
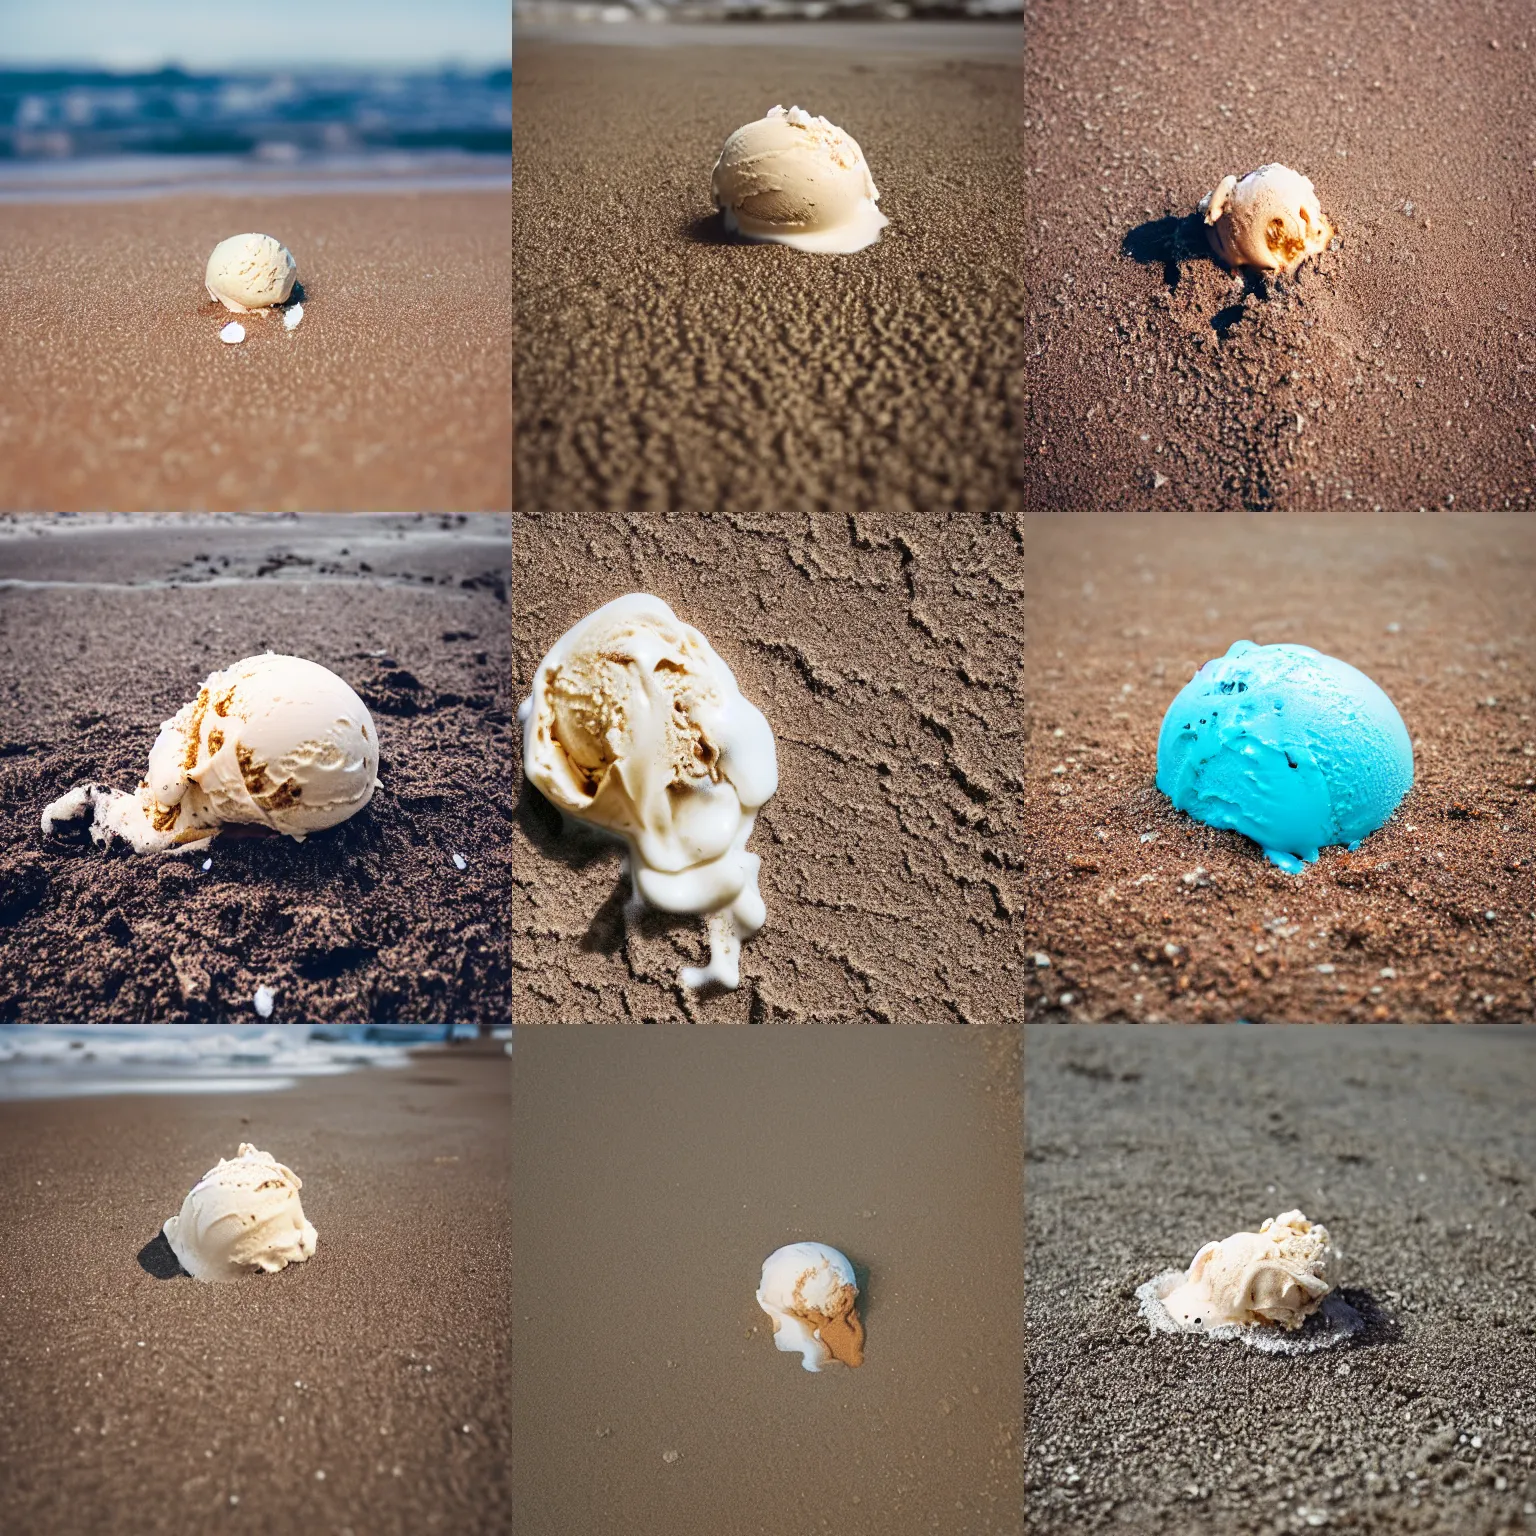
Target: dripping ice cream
[[242, 1217], [1296, 750], [1277, 1276], [793, 179], [274, 741], [636, 726], [809, 1291]]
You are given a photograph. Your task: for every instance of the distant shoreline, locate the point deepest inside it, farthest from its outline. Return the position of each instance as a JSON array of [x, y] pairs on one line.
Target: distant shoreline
[[135, 178]]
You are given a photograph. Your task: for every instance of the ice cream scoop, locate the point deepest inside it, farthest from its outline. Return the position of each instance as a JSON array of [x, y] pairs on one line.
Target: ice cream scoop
[[242, 1216], [249, 272], [1270, 220], [797, 180], [276, 741], [1297, 750], [1276, 1276], [636, 726], [809, 1291]]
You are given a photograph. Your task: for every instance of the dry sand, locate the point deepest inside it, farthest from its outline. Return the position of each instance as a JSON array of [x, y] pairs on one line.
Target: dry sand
[[139, 1403], [1400, 371], [661, 366], [654, 1170], [394, 394], [887, 655], [1415, 1147], [107, 626], [1437, 610]]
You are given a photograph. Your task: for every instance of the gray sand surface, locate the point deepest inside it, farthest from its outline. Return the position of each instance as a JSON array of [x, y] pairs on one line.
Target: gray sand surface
[[138, 1400], [1414, 1146], [661, 366]]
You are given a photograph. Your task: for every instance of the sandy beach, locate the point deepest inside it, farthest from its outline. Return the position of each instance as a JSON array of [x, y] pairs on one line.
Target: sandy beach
[[393, 395], [1146, 914], [661, 366], [1395, 373], [654, 1170], [887, 656], [365, 1390], [369, 921], [1414, 1147]]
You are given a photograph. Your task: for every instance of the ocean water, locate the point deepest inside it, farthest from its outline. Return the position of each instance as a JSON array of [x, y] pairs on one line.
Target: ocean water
[[81, 133], [59, 1061]]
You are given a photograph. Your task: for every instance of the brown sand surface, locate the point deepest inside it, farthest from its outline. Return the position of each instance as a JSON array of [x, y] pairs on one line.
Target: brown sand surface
[[887, 655], [1399, 371], [1147, 914], [654, 1171], [661, 365], [107, 626], [394, 394], [1415, 1147], [135, 1402]]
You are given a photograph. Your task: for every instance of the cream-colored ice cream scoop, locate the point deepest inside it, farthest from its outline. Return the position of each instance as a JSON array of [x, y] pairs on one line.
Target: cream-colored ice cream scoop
[[798, 180], [1270, 220], [241, 1217], [249, 272], [809, 1291], [1278, 1275], [635, 725], [276, 741]]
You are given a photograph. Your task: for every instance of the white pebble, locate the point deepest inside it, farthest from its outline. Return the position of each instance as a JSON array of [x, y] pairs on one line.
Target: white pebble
[[459, 861], [263, 1001], [207, 864], [232, 333], [292, 316]]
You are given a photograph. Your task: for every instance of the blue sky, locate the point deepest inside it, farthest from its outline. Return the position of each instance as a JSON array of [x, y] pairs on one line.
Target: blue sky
[[144, 34]]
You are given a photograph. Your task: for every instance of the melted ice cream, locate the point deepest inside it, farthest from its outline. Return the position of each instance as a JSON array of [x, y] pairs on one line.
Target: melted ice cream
[[809, 1291], [636, 726]]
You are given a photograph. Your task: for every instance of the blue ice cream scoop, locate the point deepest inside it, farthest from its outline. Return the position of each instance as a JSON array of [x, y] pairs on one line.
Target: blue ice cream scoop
[[1292, 748]]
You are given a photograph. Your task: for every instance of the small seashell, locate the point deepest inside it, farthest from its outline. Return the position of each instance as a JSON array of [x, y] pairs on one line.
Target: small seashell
[[232, 333], [291, 317], [263, 1001]]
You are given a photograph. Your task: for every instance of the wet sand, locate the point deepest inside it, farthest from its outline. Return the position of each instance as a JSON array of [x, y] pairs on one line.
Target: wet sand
[[369, 921], [137, 1399], [394, 394], [887, 655], [654, 1170], [1415, 1147], [661, 366], [1146, 914], [1395, 373]]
